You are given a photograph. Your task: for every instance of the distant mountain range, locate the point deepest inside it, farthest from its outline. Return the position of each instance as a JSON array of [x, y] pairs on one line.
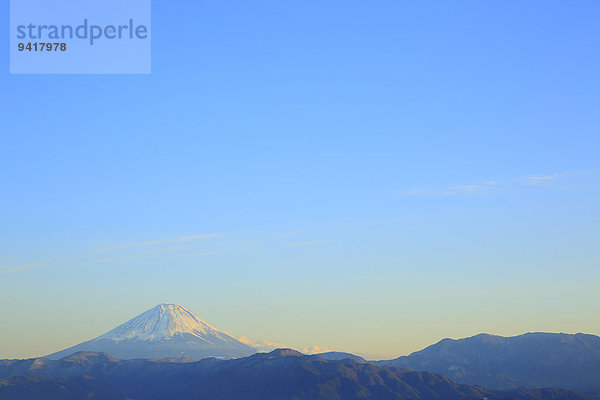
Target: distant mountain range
[[172, 333], [279, 375], [165, 331], [338, 355], [530, 360]]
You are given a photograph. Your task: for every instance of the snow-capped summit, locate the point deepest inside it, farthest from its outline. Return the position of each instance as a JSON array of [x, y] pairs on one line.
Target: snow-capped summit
[[165, 331], [163, 322]]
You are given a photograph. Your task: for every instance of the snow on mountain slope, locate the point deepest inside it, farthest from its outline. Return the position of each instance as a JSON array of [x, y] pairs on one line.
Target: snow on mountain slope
[[165, 331], [162, 323]]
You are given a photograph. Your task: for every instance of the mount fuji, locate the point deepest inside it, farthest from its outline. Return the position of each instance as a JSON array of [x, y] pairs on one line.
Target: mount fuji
[[165, 331]]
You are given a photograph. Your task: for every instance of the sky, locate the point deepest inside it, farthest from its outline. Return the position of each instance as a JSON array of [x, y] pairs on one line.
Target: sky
[[368, 177]]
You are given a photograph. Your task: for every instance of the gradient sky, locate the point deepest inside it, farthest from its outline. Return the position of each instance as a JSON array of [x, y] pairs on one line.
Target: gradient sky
[[364, 176]]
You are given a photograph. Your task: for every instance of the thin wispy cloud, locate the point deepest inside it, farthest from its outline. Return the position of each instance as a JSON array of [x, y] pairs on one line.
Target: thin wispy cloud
[[316, 350], [308, 243], [451, 190], [178, 239], [188, 246], [543, 179], [203, 254], [491, 187], [266, 345], [158, 242], [6, 269], [262, 345]]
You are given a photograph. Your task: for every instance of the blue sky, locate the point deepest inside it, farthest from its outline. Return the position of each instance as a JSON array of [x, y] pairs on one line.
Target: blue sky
[[365, 176]]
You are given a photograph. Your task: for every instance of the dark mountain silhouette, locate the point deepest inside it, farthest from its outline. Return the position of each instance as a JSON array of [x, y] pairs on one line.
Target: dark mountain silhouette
[[279, 375], [339, 355], [529, 360]]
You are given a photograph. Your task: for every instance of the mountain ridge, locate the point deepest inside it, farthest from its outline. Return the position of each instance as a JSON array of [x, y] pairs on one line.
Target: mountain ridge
[[171, 332], [278, 375], [534, 359]]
